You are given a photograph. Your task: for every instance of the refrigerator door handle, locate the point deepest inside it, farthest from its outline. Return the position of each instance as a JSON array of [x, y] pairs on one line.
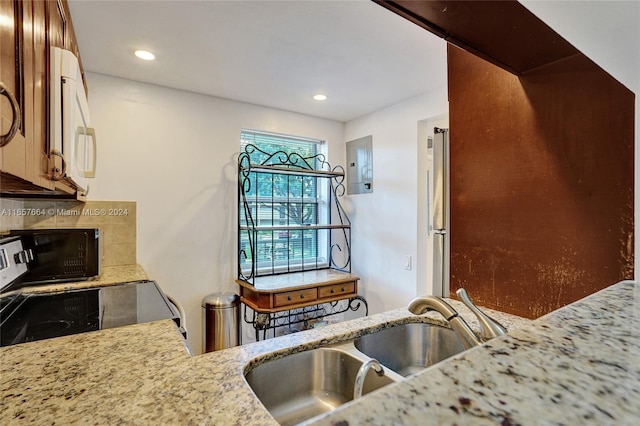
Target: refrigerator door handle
[[440, 231]]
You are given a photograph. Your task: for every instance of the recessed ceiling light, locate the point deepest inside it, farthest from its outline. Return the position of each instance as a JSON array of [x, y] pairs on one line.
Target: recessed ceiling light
[[143, 54], [320, 97]]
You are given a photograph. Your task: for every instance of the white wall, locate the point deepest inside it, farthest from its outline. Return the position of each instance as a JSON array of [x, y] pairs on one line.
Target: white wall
[[385, 221], [174, 152]]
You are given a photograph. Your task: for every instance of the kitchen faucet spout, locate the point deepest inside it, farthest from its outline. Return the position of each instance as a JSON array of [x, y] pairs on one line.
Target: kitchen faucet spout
[[489, 328], [362, 373], [420, 305]]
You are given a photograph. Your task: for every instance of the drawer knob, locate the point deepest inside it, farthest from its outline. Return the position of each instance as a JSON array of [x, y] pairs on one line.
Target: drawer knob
[[288, 297], [302, 296], [342, 289], [332, 291]]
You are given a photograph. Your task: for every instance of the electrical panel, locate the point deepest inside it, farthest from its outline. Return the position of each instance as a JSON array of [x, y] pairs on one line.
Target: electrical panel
[[360, 165]]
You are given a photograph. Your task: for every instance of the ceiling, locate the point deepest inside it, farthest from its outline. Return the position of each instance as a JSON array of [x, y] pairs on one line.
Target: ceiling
[[273, 53]]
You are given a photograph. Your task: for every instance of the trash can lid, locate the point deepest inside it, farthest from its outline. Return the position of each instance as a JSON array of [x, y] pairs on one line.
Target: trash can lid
[[220, 300]]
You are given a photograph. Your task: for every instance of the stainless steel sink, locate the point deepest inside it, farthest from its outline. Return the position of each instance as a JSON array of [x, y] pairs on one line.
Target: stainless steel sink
[[301, 386], [304, 385], [410, 348]]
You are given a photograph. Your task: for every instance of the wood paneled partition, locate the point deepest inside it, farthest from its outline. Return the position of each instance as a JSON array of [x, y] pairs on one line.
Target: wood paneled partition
[[541, 182]]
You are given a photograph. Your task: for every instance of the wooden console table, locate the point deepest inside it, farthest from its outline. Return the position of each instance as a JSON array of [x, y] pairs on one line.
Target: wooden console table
[[286, 299]]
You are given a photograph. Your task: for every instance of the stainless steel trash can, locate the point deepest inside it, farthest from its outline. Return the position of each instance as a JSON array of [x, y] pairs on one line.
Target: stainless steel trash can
[[221, 321]]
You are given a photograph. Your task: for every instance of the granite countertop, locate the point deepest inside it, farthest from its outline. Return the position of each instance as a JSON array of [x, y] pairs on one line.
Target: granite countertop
[[574, 366], [109, 275]]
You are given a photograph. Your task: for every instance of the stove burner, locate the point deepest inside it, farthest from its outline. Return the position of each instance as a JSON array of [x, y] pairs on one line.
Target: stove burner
[[44, 329], [41, 316]]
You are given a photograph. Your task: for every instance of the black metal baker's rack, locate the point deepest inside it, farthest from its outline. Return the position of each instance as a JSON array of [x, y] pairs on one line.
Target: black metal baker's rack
[[281, 248]]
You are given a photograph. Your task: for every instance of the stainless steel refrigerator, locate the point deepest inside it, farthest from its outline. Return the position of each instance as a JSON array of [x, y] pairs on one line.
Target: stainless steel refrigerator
[[440, 218]]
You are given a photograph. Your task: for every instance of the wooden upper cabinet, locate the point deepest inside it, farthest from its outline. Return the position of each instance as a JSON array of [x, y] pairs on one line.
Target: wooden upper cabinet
[[34, 26], [57, 24], [39, 167], [12, 71]]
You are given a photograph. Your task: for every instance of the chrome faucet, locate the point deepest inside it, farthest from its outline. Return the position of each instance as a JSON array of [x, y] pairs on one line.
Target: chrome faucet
[[489, 327], [362, 373]]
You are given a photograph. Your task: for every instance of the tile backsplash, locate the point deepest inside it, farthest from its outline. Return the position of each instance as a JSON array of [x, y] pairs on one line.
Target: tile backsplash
[[115, 219]]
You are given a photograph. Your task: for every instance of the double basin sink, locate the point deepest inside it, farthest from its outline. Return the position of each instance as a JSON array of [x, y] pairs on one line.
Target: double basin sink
[[301, 386]]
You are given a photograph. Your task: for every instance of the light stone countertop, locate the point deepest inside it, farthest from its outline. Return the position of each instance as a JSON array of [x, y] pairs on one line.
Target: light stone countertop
[[109, 275], [578, 365]]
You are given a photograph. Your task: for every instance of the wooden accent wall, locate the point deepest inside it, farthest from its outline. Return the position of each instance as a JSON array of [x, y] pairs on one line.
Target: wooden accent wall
[[541, 182]]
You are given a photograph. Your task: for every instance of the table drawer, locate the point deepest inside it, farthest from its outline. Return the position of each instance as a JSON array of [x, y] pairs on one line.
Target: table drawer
[[336, 290], [295, 297]]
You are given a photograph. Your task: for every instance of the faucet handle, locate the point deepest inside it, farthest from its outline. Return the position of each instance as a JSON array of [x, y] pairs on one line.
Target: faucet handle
[[489, 328]]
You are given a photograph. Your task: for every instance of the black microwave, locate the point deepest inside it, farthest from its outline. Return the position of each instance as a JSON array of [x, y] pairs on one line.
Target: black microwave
[[58, 255]]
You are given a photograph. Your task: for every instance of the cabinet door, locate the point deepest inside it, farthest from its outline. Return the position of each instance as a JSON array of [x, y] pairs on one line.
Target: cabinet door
[[35, 64], [13, 156], [28, 28], [24, 71], [39, 167]]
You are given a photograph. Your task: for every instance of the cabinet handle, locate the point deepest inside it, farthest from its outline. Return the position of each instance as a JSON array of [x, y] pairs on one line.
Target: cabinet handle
[[15, 110], [57, 174], [90, 132]]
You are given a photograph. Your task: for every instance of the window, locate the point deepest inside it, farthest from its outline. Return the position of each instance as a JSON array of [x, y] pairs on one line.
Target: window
[[279, 212]]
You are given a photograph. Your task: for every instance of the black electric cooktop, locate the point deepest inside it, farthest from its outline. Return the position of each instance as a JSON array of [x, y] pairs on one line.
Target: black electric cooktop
[[27, 317]]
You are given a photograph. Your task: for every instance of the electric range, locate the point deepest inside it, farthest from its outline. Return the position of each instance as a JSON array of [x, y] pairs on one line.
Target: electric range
[[29, 313], [27, 317]]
